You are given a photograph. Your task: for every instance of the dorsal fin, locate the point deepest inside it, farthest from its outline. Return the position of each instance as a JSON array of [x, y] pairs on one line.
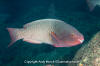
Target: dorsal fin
[[40, 21]]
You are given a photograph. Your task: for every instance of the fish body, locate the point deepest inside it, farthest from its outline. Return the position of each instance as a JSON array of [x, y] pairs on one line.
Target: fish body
[[92, 4], [51, 31]]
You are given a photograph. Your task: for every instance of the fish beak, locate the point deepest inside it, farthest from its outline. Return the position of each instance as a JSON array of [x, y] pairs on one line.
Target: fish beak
[[81, 41]]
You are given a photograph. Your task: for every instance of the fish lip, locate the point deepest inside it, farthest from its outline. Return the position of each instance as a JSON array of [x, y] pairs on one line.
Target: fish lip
[[81, 41]]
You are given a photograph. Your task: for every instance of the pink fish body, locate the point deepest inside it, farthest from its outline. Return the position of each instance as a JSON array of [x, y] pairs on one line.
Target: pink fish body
[[51, 31]]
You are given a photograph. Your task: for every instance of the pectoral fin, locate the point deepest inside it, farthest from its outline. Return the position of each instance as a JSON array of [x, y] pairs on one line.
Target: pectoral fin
[[55, 37]]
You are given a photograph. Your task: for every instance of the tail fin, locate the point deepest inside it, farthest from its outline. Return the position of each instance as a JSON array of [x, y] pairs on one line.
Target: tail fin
[[13, 34]]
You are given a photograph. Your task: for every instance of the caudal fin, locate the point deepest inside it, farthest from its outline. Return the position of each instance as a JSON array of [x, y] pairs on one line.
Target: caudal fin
[[13, 34]]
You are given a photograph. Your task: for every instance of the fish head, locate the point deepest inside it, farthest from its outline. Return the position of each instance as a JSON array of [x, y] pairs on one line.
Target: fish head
[[73, 39], [70, 39]]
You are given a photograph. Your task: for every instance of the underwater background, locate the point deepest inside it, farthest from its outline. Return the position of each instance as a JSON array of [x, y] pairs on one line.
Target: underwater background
[[16, 13]]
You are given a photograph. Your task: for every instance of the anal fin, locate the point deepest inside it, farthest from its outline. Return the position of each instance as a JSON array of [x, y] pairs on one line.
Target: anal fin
[[32, 41]]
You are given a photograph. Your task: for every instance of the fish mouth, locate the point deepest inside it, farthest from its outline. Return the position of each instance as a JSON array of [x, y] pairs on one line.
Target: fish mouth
[[81, 41]]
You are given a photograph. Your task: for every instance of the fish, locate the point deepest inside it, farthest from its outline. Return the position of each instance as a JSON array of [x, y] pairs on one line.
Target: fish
[[92, 4], [54, 32]]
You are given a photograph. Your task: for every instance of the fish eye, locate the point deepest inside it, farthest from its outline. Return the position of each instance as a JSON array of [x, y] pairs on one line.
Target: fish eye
[[72, 35]]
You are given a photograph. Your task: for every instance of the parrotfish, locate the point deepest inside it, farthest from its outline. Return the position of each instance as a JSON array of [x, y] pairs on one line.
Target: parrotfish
[[50, 31], [92, 4]]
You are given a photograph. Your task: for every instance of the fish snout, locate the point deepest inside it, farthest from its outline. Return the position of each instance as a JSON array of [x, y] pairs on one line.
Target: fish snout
[[81, 40]]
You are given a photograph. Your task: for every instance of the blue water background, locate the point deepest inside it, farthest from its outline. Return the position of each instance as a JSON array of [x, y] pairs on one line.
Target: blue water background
[[16, 13]]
